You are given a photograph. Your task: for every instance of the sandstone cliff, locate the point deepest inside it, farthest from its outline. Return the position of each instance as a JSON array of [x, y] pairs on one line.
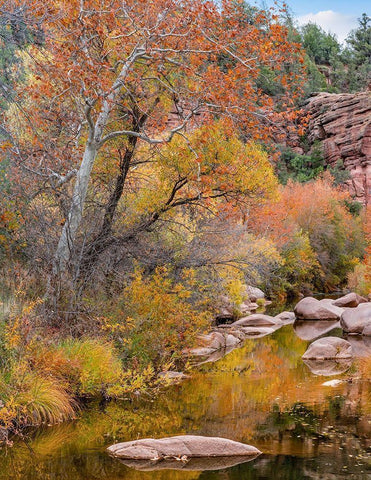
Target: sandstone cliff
[[342, 122]]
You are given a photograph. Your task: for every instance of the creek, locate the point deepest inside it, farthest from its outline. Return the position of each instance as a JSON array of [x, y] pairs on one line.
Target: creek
[[262, 394]]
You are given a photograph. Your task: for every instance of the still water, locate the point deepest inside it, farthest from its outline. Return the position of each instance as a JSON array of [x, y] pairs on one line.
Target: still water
[[262, 394]]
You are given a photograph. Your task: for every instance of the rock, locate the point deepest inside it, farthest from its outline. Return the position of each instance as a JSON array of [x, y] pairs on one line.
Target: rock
[[202, 351], [342, 123], [328, 348], [225, 309], [257, 332], [257, 320], [172, 376], [328, 367], [232, 340], [192, 464], [310, 308], [254, 293], [181, 447], [333, 383], [213, 340], [286, 317], [351, 300], [356, 319], [367, 330], [312, 329]]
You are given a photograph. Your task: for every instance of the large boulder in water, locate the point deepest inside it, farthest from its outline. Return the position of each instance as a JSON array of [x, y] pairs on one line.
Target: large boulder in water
[[310, 308], [181, 447], [328, 348], [355, 320], [350, 300]]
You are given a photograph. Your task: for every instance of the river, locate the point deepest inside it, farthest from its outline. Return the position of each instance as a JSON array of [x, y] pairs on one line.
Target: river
[[262, 394]]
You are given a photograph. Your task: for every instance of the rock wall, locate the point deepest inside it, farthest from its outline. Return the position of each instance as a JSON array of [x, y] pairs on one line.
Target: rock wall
[[342, 122]]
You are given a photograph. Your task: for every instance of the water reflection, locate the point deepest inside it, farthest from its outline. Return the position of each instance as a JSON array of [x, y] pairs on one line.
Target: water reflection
[[312, 329], [262, 394]]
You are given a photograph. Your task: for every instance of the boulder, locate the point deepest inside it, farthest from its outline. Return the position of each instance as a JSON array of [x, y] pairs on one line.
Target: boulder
[[181, 447], [213, 340], [286, 317], [356, 319], [310, 308], [328, 367], [257, 320], [367, 330], [328, 348], [351, 300], [254, 293], [312, 329], [232, 340]]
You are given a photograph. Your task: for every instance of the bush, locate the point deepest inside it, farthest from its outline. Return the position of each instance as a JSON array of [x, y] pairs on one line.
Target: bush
[[156, 318]]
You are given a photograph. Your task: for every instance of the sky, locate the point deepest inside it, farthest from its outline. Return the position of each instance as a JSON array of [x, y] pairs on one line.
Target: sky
[[335, 16]]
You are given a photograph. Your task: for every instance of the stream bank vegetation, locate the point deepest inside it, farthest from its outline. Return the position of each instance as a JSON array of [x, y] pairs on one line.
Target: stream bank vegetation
[[138, 186]]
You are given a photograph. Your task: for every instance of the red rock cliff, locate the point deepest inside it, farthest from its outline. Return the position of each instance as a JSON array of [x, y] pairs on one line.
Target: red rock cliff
[[342, 122]]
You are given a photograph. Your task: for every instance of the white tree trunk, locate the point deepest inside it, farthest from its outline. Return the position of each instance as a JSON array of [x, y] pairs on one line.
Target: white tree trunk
[[71, 226], [72, 223]]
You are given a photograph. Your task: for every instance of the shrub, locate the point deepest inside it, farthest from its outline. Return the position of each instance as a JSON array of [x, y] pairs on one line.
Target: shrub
[[156, 318]]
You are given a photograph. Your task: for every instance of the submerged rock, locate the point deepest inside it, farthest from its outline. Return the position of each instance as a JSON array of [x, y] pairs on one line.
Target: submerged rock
[[328, 348], [355, 320], [181, 447], [333, 383], [310, 308]]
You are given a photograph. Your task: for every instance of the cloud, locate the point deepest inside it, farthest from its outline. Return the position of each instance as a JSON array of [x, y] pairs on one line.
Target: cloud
[[338, 23]]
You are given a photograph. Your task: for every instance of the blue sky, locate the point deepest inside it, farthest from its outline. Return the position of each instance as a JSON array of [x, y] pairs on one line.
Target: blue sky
[[338, 17]]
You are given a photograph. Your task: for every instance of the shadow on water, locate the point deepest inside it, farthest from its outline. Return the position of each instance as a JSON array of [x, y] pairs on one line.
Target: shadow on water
[[262, 394]]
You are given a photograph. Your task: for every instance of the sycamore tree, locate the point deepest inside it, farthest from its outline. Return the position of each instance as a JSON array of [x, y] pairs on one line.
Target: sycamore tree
[[115, 83]]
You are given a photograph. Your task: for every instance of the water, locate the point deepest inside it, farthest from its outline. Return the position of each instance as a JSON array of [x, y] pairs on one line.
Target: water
[[262, 394]]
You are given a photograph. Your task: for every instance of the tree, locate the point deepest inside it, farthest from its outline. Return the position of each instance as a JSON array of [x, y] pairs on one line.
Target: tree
[[109, 76]]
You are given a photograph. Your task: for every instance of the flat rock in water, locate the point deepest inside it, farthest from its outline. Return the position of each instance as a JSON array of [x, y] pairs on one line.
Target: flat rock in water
[[310, 308], [328, 348], [354, 320], [181, 447]]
